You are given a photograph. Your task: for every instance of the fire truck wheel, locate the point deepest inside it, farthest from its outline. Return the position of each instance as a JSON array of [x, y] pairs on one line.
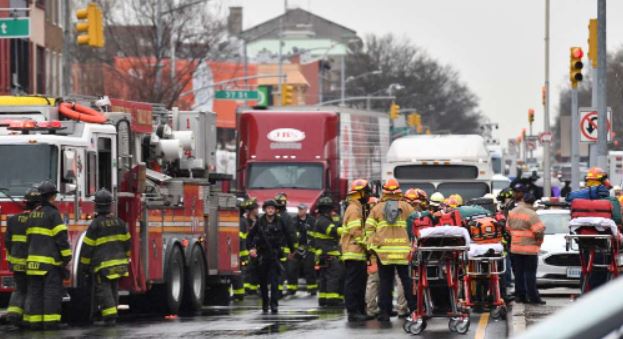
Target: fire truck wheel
[[194, 291], [174, 285]]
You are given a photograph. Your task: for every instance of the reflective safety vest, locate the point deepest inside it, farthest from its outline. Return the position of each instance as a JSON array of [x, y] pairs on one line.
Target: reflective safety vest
[[15, 242], [352, 241], [389, 241], [106, 247], [46, 238], [526, 230]]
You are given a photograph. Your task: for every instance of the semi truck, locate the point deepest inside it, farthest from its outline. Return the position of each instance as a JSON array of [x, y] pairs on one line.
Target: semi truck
[[158, 164], [441, 163], [308, 152]]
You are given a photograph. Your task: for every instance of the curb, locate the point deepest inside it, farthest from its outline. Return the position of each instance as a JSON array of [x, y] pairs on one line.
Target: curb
[[516, 322]]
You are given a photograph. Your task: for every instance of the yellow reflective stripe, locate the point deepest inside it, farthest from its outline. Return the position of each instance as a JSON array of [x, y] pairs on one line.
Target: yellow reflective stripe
[[353, 256], [243, 235], [286, 250], [45, 231], [353, 224], [312, 286], [109, 311], [33, 318], [51, 317], [329, 228], [111, 238], [116, 276], [15, 309], [84, 260], [18, 238], [292, 287], [398, 223], [43, 259], [322, 236], [326, 295], [244, 253], [110, 263], [251, 287], [16, 261], [66, 253], [335, 253], [88, 241], [56, 230], [371, 222], [238, 291]]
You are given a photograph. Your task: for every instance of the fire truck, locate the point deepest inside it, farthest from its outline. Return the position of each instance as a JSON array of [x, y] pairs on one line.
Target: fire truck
[[159, 165]]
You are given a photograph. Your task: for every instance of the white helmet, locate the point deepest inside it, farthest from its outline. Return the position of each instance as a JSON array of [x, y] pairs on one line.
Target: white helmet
[[436, 199]]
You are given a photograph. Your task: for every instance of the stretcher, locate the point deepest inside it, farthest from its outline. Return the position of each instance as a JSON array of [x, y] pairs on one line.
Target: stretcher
[[482, 279], [598, 241], [439, 253]]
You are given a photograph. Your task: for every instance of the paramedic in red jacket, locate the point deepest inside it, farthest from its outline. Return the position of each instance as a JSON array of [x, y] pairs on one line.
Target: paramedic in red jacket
[[527, 233]]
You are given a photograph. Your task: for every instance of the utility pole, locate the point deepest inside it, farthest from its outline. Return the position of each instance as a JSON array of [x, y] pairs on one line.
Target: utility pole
[[602, 57], [280, 61], [547, 177], [67, 48], [158, 47], [342, 80], [575, 141]]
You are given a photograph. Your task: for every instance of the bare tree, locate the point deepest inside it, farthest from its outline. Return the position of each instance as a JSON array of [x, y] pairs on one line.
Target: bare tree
[[436, 91], [153, 48]]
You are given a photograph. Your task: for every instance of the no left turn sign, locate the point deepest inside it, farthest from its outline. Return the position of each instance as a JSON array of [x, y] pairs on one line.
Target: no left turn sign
[[589, 124]]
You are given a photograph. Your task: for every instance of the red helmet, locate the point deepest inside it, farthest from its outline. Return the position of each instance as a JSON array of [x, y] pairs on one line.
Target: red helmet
[[359, 185], [411, 195], [391, 186]]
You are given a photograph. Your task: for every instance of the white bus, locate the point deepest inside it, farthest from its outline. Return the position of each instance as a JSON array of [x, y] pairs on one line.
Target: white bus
[[445, 163]]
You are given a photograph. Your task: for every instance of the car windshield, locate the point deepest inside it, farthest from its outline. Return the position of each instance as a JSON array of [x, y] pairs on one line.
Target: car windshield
[[467, 190], [555, 223], [26, 165], [500, 184], [285, 175]]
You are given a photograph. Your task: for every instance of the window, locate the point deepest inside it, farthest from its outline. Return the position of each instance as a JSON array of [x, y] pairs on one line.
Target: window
[[285, 175], [435, 172], [91, 174], [20, 66], [26, 171], [40, 69], [555, 223], [467, 190], [104, 165]]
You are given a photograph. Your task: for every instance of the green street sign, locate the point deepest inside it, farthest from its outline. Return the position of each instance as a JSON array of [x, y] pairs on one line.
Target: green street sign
[[11, 28], [236, 95]]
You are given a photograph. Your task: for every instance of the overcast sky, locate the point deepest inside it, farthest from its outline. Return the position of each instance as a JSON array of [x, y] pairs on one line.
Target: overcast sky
[[496, 45]]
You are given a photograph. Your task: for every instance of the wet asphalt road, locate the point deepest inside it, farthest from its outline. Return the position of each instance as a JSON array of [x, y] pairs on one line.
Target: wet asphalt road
[[298, 317]]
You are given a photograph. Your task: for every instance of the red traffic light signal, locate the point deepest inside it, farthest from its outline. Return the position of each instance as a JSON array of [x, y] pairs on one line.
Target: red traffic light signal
[[577, 52]]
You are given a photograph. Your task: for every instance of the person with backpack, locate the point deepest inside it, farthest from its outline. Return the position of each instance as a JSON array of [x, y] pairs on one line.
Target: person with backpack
[[388, 239], [527, 232]]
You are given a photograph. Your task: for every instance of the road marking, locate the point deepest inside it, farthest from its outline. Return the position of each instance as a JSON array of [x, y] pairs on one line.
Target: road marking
[[482, 326]]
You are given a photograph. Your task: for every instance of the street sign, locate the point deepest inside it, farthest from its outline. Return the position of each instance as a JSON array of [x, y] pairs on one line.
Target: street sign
[[11, 28], [589, 122], [236, 95], [545, 137], [532, 142]]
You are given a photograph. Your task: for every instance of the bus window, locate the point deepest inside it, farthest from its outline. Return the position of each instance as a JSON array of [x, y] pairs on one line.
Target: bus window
[[467, 190], [436, 172]]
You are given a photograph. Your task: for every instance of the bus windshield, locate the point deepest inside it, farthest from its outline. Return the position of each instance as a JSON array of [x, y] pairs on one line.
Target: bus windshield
[[27, 165], [467, 190], [285, 175], [436, 172]]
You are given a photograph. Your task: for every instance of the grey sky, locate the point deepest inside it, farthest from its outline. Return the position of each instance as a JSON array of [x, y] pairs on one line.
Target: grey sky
[[496, 45]]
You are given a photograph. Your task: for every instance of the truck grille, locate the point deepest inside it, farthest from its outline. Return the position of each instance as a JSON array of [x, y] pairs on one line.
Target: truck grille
[[563, 259]]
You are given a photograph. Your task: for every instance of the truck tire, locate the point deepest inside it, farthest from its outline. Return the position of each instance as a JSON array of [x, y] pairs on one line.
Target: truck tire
[[218, 295], [195, 279], [171, 292], [78, 310]]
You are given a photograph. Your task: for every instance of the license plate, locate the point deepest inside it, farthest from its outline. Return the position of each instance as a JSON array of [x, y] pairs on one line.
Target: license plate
[[574, 272]]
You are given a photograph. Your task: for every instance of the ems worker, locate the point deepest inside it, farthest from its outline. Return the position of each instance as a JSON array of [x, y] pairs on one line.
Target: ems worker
[[16, 253], [265, 242], [48, 254], [386, 231], [303, 259], [326, 240], [105, 254], [527, 233], [353, 248]]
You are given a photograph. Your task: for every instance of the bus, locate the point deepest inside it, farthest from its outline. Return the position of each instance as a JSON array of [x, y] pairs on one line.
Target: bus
[[441, 163]]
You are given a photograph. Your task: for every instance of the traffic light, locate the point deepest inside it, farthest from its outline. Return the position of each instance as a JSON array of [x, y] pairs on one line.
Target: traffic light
[[415, 120], [287, 95], [592, 42], [531, 115], [394, 111], [575, 67], [92, 28]]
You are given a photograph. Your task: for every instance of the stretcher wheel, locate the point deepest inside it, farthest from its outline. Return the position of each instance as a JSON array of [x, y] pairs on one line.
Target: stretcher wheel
[[462, 326], [415, 327], [498, 313], [452, 324]]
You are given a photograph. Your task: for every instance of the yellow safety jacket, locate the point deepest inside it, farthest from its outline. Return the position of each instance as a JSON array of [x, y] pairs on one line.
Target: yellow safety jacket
[[390, 241]]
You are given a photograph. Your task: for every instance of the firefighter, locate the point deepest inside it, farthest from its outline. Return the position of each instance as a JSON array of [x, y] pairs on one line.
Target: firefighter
[[105, 255], [249, 268], [326, 239], [386, 231], [303, 259], [527, 233], [237, 285], [436, 201], [372, 284], [282, 210], [48, 254], [265, 242], [354, 250], [15, 244]]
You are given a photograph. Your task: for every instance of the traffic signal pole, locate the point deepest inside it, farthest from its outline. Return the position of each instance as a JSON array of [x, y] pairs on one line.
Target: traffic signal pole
[[602, 57], [547, 177], [67, 48], [575, 141]]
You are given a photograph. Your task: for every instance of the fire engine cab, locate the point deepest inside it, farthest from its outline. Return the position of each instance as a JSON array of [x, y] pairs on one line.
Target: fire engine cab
[[159, 165]]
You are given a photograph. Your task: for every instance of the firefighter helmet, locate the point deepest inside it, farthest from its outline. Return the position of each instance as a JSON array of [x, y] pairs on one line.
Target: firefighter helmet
[[32, 197], [249, 204], [47, 188], [269, 203], [325, 202], [436, 199], [411, 196], [422, 194], [504, 194], [281, 199], [451, 202], [103, 200], [596, 173], [391, 186], [457, 198], [359, 185]]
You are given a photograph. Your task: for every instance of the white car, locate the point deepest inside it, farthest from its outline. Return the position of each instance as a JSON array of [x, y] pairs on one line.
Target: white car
[[498, 183], [557, 266]]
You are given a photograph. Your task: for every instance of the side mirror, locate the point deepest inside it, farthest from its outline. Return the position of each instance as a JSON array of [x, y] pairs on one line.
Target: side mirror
[[69, 165], [69, 188]]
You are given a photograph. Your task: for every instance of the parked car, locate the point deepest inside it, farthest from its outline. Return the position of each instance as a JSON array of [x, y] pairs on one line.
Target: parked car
[[498, 183], [557, 266]]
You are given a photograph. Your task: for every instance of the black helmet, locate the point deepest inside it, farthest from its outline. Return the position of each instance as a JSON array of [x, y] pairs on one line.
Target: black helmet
[[281, 199], [506, 193], [269, 203], [103, 200], [249, 204], [47, 188], [325, 202], [32, 197]]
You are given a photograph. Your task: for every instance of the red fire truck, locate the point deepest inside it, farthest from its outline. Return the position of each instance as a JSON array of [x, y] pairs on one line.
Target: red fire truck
[[308, 152], [158, 164]]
